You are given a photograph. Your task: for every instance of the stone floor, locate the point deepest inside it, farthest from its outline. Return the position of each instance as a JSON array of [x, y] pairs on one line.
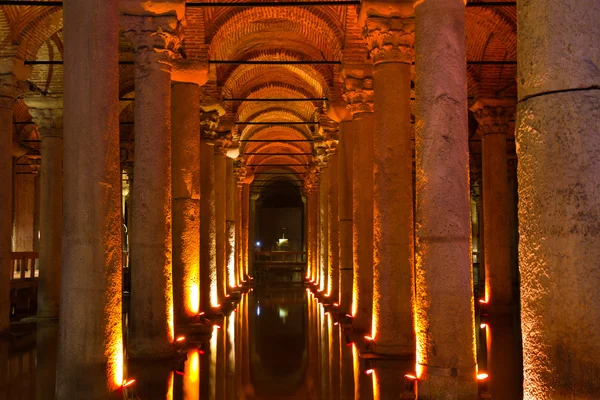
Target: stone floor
[[279, 343]]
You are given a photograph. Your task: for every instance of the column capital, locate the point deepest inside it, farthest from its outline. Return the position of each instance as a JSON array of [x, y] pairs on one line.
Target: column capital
[[47, 113], [209, 122], [494, 115], [390, 39], [357, 88], [157, 41], [189, 71], [13, 74], [239, 171]]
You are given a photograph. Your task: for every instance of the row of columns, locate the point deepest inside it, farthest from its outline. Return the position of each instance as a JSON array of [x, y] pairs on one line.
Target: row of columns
[[435, 289]]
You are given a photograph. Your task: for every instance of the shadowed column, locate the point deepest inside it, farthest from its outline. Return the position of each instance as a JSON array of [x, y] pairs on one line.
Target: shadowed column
[[345, 214], [558, 120], [47, 113], [208, 244], [444, 280], [358, 93], [156, 42]]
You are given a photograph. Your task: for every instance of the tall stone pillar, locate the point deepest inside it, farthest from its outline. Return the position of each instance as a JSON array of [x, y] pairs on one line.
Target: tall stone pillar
[[156, 42], [324, 231], [558, 120], [240, 176], [446, 363], [47, 113], [390, 37], [504, 364], [185, 117], [220, 221], [91, 284], [345, 214], [11, 85], [312, 211], [333, 230], [246, 228], [208, 240], [358, 93], [252, 230], [230, 225]]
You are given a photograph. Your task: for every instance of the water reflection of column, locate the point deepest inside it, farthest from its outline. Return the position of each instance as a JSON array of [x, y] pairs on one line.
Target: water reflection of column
[[388, 382], [347, 370], [363, 382], [221, 362], [154, 381], [324, 352], [191, 376], [230, 356], [244, 334], [313, 354], [45, 373], [334, 359], [4, 366]]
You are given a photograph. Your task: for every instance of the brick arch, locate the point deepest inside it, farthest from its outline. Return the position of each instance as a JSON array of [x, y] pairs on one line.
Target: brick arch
[[34, 26], [252, 26]]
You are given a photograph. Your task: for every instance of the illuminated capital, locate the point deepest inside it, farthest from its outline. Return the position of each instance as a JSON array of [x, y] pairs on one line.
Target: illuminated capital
[[358, 93], [390, 39]]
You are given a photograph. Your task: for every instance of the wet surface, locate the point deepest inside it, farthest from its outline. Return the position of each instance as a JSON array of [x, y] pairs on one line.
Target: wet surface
[[279, 343]]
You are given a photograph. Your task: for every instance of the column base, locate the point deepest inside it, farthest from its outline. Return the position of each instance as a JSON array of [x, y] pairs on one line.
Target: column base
[[442, 387]]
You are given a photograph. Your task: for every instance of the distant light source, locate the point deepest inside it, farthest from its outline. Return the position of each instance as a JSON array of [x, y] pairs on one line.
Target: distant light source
[[128, 383], [258, 243], [369, 338], [369, 371], [411, 377], [482, 376], [483, 326], [180, 339]]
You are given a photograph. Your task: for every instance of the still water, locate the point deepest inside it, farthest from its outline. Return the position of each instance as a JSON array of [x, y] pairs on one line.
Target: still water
[[279, 343]]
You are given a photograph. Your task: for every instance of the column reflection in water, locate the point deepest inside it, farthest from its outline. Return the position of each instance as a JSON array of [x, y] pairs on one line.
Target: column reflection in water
[[230, 381], [324, 350], [363, 381], [334, 358]]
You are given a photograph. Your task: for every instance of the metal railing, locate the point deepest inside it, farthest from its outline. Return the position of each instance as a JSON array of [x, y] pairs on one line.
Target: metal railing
[[279, 257], [25, 266]]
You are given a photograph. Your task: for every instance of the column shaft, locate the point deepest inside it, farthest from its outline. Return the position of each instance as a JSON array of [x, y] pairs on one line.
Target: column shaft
[[208, 243], [231, 225], [6, 119], [220, 221], [91, 283], [151, 320], [393, 255], [51, 220], [362, 215], [333, 231], [444, 283], [345, 214], [558, 121], [251, 231], [185, 117], [323, 232], [246, 228]]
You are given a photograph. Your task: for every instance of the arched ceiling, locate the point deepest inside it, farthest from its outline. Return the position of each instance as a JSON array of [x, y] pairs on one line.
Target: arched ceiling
[[324, 33]]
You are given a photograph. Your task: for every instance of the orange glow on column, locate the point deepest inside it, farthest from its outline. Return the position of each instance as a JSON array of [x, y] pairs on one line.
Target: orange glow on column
[[191, 387], [113, 331], [376, 390], [231, 258], [170, 321], [193, 301], [170, 389]]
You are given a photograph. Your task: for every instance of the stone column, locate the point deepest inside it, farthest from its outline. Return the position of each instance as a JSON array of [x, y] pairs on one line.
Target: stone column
[[358, 93], [558, 120], [11, 85], [185, 117], [47, 113], [390, 37], [446, 363], [504, 366], [345, 214], [333, 231], [230, 226], [91, 283], [312, 210], [245, 228], [324, 231], [208, 243], [156, 43], [251, 230], [220, 221], [240, 175]]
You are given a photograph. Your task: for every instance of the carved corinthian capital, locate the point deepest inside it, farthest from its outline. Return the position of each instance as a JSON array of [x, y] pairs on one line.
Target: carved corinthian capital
[[358, 93], [157, 41], [494, 115], [47, 113], [390, 39]]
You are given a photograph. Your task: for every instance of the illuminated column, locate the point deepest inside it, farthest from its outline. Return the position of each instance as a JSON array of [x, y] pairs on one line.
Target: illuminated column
[[358, 93], [558, 149], [252, 230], [11, 85], [47, 113], [444, 283], [220, 220], [91, 284], [345, 214], [504, 364], [390, 41], [240, 175], [245, 226], [324, 230], [208, 243], [156, 43], [312, 210], [333, 233], [230, 227], [185, 117]]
